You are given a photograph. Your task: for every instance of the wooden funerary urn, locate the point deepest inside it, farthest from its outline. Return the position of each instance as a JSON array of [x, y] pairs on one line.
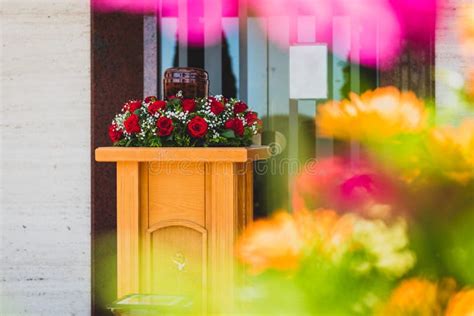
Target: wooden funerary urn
[[179, 211]]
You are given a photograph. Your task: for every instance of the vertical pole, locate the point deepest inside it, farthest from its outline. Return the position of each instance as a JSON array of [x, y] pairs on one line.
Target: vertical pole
[[292, 145], [278, 69], [278, 106], [243, 51], [355, 78], [183, 33], [150, 58], [257, 61], [213, 46]]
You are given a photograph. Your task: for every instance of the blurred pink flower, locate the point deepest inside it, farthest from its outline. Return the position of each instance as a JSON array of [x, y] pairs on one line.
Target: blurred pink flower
[[378, 28], [374, 25], [338, 184], [203, 25], [417, 18]]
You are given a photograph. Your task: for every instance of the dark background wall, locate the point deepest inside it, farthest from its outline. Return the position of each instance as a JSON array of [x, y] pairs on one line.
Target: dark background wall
[[117, 75]]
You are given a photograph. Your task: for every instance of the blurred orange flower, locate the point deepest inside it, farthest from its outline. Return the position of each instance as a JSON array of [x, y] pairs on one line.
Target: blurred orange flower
[[274, 243], [453, 150], [414, 296], [375, 115], [470, 83], [340, 233], [315, 226], [461, 304], [280, 241], [324, 229]]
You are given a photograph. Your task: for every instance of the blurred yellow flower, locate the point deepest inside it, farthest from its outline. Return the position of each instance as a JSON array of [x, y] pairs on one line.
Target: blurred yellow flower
[[414, 296], [388, 245], [375, 115], [461, 304], [452, 150]]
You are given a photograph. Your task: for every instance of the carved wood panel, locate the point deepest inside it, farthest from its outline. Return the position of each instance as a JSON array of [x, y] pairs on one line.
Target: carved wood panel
[[178, 259]]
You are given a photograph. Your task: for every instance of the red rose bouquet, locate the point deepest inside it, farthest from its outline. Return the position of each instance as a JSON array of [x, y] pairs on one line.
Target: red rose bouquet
[[213, 121]]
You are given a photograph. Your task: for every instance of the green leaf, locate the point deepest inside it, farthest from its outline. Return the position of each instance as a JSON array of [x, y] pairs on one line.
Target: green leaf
[[228, 133]]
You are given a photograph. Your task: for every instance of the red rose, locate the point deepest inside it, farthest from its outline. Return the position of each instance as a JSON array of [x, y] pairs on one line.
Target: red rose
[[132, 124], [216, 107], [164, 125], [197, 127], [236, 125], [114, 134], [251, 117], [150, 99], [240, 107], [132, 106], [229, 124], [156, 106], [189, 105]]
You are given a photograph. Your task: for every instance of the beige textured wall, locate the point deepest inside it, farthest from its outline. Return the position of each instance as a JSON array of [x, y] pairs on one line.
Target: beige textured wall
[[44, 160]]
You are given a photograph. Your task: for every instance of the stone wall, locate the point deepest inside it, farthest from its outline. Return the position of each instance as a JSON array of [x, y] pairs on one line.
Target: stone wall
[[45, 157]]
